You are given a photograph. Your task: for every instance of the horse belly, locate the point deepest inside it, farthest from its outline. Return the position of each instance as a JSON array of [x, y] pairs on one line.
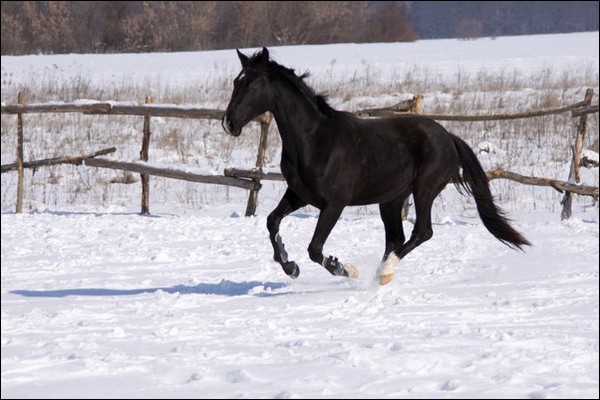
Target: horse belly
[[382, 187]]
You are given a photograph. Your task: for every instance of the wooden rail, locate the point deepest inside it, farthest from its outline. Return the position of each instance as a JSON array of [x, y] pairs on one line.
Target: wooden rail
[[75, 160], [561, 186], [147, 110], [115, 109], [576, 109], [498, 173], [172, 173], [250, 179]]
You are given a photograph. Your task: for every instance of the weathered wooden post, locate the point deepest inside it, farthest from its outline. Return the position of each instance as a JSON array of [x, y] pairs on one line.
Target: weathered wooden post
[[417, 104], [416, 107], [144, 157], [574, 176], [19, 209], [265, 122]]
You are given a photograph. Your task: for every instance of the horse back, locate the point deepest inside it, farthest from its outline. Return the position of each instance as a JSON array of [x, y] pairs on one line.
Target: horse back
[[393, 152]]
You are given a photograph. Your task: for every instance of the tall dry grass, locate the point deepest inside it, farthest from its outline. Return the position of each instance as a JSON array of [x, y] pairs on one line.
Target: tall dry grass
[[537, 146]]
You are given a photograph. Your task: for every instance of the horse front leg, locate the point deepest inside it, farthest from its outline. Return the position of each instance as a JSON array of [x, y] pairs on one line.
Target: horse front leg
[[288, 204], [327, 220]]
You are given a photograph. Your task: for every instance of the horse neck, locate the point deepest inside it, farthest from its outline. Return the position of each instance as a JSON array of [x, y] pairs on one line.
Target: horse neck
[[296, 115]]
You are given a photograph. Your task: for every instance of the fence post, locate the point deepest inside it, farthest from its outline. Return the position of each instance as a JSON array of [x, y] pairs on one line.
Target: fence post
[[574, 177], [19, 208], [416, 107], [265, 122], [144, 157]]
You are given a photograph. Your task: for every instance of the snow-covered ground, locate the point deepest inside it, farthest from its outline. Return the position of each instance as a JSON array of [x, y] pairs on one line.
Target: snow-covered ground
[[98, 301]]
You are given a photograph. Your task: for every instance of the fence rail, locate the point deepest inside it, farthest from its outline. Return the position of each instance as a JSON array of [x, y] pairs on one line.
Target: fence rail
[[172, 173], [115, 109], [251, 179], [75, 160]]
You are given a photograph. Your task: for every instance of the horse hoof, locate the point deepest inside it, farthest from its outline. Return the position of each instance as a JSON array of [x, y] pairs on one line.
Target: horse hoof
[[291, 269], [385, 279], [350, 271]]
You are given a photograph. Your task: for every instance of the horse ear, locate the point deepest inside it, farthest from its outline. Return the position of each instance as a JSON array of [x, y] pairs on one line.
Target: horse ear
[[264, 56], [243, 59]]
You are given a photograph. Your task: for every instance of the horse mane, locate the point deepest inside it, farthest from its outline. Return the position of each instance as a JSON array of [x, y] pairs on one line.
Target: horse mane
[[289, 74]]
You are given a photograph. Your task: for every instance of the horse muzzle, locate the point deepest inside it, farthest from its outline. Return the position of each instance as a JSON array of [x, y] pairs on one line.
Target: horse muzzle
[[228, 127]]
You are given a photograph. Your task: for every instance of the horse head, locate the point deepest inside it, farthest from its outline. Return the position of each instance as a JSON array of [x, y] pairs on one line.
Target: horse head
[[252, 93]]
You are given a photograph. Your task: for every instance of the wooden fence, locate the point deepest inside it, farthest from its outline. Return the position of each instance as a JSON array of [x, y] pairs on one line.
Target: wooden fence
[[251, 179]]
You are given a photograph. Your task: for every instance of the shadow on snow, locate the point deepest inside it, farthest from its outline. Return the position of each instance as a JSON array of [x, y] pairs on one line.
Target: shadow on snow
[[224, 288]]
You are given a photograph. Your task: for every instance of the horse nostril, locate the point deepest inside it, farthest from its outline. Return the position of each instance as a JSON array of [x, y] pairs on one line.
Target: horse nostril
[[226, 124]]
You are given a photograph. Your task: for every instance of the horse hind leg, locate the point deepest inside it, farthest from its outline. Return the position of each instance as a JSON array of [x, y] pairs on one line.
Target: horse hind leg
[[391, 215], [288, 204], [386, 269], [421, 233]]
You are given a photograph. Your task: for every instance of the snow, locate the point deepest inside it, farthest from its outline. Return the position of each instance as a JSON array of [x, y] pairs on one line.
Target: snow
[[590, 155], [99, 301]]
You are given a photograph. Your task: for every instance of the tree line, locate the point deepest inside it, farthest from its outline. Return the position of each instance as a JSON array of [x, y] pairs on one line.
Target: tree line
[[55, 27], [31, 27]]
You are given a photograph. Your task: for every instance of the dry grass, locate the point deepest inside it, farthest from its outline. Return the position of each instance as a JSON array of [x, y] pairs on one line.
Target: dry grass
[[521, 145]]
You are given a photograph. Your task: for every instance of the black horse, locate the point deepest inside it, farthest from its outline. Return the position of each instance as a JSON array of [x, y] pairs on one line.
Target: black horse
[[332, 159]]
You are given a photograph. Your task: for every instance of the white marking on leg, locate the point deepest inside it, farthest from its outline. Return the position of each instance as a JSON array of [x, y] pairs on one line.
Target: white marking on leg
[[351, 271], [386, 269], [282, 253]]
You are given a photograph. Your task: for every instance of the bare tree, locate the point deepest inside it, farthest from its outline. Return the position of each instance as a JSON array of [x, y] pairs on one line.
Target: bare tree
[[170, 26], [264, 23], [36, 27], [58, 34], [245, 24], [390, 23], [341, 21], [134, 26], [11, 30]]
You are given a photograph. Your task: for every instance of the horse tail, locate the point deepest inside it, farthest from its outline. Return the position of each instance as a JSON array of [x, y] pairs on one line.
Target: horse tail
[[474, 181]]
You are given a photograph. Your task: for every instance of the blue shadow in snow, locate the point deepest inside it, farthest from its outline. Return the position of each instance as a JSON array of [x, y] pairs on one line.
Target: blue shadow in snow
[[223, 288]]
